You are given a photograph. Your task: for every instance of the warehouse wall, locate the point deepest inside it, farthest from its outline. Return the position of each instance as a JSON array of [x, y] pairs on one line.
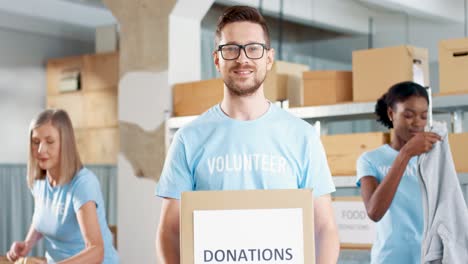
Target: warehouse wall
[[326, 50], [23, 84], [22, 96]]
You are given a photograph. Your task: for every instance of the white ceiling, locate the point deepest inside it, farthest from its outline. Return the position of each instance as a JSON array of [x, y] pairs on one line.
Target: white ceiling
[[74, 19], [77, 19]]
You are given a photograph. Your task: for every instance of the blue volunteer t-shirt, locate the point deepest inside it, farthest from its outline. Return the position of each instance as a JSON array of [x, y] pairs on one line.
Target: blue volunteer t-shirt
[[55, 216], [399, 232], [274, 151]]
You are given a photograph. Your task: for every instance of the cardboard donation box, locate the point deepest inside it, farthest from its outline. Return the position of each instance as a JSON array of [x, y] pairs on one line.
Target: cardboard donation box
[[194, 98], [376, 70], [326, 87], [453, 66], [25, 260], [254, 226], [283, 78], [355, 229], [459, 146], [343, 150]]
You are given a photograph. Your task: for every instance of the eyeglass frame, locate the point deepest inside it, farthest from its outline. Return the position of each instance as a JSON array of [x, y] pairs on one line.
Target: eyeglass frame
[[242, 47]]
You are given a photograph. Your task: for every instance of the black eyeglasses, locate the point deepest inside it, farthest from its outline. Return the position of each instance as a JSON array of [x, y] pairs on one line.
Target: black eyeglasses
[[253, 51]]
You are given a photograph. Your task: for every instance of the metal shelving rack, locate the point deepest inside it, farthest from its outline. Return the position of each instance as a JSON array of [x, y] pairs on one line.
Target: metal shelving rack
[[455, 105]]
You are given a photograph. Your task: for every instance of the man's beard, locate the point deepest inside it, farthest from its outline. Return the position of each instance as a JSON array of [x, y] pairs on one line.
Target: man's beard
[[237, 90]]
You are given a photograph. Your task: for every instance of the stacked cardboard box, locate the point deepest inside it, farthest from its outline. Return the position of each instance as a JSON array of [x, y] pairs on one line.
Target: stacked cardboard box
[[284, 80], [86, 87], [251, 202], [453, 66], [324, 88], [343, 150], [458, 146], [194, 98], [376, 70]]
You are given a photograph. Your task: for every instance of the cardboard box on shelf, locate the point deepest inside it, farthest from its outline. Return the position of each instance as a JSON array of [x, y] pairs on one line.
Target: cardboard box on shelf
[[453, 66], [95, 72], [458, 146], [253, 219], [284, 81], [326, 87], [343, 150], [376, 70], [194, 98]]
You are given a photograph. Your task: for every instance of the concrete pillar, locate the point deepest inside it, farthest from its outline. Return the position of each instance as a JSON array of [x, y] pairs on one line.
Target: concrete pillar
[[151, 59]]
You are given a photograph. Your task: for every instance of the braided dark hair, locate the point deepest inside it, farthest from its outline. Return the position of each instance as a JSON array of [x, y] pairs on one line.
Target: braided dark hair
[[399, 92]]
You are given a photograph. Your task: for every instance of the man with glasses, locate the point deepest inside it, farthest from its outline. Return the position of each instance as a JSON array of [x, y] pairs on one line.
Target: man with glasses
[[245, 142]]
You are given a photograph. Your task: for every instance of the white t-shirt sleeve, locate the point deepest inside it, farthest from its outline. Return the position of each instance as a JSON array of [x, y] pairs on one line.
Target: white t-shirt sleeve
[[176, 176], [317, 173]]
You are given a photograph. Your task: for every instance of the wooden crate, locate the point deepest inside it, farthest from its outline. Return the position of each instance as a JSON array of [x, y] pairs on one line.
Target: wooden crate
[[73, 103], [343, 150], [98, 72], [88, 110], [98, 145], [101, 72], [101, 109]]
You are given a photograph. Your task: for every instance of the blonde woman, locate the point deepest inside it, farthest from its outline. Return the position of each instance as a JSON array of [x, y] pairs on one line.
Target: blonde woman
[[69, 209]]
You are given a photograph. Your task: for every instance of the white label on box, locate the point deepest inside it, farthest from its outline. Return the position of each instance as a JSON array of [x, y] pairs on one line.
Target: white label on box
[[354, 226], [262, 236]]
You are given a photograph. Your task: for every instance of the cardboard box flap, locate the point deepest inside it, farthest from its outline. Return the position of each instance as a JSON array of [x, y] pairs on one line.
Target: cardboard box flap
[[315, 75], [455, 45], [420, 54], [420, 57], [453, 66]]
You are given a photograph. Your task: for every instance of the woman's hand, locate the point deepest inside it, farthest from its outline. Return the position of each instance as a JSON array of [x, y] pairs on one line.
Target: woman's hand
[[420, 143], [18, 250]]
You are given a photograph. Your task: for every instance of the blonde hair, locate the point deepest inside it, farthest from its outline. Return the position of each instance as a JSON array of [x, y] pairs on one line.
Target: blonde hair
[[70, 161]]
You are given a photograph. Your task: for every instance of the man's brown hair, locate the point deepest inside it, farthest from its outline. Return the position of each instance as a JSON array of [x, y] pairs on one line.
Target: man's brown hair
[[241, 14]]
